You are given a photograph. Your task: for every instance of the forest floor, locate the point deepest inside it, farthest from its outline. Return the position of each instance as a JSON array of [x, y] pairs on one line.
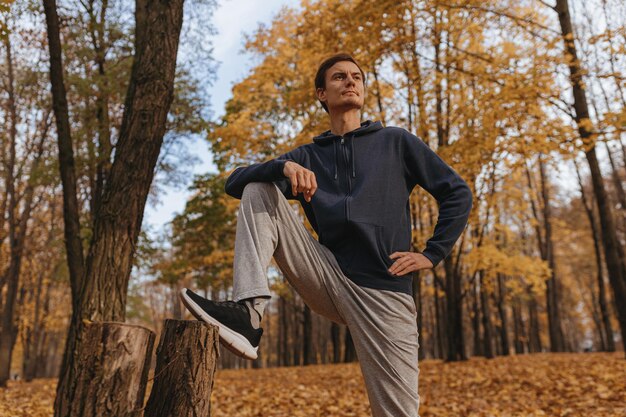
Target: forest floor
[[546, 384]]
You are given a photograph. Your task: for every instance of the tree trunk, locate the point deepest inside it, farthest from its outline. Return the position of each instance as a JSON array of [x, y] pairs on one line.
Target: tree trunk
[[349, 353], [486, 318], [73, 243], [503, 327], [478, 344], [297, 343], [519, 336], [184, 375], [454, 315], [439, 322], [101, 293], [557, 342], [595, 234], [614, 255], [115, 359], [334, 336], [307, 340], [534, 341]]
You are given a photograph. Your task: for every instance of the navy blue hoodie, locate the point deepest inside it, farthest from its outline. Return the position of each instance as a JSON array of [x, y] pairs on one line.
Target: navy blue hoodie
[[361, 210]]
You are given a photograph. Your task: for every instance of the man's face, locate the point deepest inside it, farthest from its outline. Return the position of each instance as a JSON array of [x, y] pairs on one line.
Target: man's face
[[344, 87]]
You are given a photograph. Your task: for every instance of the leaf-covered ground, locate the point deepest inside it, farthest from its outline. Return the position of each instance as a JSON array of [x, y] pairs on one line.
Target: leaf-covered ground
[[590, 384]]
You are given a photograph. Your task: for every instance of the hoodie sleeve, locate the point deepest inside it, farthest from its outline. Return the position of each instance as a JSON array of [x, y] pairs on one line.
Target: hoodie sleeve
[[269, 171], [425, 168]]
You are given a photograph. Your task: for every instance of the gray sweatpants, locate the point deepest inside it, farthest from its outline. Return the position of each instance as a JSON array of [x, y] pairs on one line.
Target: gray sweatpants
[[382, 322]]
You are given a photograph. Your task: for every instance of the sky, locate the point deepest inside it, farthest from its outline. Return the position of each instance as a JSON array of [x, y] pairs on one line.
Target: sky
[[232, 19]]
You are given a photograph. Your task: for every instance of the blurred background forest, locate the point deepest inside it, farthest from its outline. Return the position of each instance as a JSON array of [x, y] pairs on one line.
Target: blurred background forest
[[530, 112]]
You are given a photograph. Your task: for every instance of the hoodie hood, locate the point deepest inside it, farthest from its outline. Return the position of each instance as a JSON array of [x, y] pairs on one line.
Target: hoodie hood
[[329, 138]]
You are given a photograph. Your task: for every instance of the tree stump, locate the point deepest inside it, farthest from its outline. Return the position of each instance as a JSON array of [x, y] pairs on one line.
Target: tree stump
[[186, 361], [113, 378]]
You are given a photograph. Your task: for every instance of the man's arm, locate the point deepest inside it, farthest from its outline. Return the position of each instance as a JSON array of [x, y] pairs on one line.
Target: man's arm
[[426, 169], [269, 171]]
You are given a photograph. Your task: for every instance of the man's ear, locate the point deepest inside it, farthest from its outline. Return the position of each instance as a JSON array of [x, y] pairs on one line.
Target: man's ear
[[321, 94]]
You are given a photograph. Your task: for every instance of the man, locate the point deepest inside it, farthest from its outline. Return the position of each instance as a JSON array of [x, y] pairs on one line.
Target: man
[[353, 182]]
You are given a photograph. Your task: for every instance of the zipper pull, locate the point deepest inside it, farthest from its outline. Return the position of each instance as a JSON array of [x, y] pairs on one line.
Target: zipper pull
[[342, 140]]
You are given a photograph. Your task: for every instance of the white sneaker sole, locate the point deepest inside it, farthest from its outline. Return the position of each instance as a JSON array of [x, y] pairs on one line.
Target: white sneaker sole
[[231, 340]]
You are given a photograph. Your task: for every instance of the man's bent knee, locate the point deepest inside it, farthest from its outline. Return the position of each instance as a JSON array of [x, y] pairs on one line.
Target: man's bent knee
[[256, 188]]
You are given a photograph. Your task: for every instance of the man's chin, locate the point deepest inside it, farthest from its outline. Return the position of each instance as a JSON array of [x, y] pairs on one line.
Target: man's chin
[[347, 105]]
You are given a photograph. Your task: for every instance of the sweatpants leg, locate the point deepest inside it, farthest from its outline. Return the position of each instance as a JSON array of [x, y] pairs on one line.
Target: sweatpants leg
[[384, 329], [382, 323], [268, 226]]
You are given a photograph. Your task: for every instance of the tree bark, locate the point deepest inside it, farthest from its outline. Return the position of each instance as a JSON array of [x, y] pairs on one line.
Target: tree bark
[[115, 359], [184, 375]]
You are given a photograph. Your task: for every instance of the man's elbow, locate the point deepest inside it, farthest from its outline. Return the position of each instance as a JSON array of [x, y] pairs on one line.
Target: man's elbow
[[232, 189], [468, 196]]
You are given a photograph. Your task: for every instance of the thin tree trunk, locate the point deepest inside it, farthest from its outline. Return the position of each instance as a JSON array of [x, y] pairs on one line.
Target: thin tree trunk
[[18, 229], [486, 318], [534, 341], [607, 327], [349, 353], [519, 336], [557, 342], [478, 344], [307, 340], [334, 335], [503, 327], [73, 243], [613, 252]]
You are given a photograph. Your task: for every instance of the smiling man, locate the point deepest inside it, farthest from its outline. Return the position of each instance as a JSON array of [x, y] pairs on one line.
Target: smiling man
[[353, 182]]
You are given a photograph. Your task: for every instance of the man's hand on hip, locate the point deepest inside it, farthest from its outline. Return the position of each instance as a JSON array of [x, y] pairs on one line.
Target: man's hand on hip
[[302, 180], [408, 262]]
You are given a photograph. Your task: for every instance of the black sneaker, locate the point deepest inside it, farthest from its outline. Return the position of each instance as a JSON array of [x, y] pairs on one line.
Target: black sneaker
[[232, 318]]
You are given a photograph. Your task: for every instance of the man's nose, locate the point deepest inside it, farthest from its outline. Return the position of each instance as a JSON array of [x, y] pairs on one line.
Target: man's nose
[[350, 80]]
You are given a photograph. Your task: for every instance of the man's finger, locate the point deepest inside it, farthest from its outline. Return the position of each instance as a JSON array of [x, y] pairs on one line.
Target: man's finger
[[402, 266], [307, 181], [399, 264], [301, 181], [313, 184], [294, 184]]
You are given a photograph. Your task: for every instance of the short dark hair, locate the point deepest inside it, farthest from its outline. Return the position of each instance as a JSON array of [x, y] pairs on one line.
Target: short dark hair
[[320, 77]]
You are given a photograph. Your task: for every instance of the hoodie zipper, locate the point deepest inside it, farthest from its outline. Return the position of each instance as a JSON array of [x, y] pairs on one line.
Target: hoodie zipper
[[345, 159]]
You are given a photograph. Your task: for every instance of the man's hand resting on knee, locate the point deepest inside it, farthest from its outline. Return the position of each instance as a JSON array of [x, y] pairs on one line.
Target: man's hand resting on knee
[[302, 180]]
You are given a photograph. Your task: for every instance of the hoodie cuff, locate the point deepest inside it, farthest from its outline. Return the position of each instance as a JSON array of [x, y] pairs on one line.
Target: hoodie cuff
[[432, 256], [279, 166]]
